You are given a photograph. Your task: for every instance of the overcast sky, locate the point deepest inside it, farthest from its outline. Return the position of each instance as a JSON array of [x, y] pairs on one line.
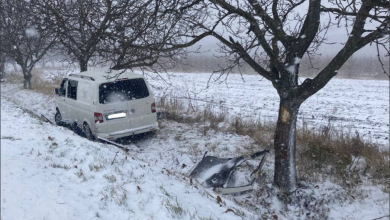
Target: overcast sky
[[210, 44], [337, 35]]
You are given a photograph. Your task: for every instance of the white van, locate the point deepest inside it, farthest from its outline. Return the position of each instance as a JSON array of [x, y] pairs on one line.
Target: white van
[[104, 106]]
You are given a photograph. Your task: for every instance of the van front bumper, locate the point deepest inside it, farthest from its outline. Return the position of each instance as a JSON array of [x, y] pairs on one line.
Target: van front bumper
[[128, 132]]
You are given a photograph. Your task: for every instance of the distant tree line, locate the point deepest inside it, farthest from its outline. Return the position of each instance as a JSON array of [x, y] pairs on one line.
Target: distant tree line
[[354, 68]]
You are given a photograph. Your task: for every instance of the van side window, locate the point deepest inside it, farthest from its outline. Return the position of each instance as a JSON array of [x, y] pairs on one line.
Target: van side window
[[62, 89], [72, 89]]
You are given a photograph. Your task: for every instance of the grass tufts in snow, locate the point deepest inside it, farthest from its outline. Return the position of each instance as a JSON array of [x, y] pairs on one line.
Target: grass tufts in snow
[[175, 209], [174, 109], [96, 167], [56, 165], [343, 157], [80, 174], [261, 132], [110, 178], [205, 218], [62, 154], [10, 138], [115, 193], [325, 153], [37, 81], [164, 191]]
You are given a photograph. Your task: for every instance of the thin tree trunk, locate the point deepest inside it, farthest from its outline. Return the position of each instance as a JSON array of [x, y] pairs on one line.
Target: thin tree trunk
[[27, 79], [284, 143], [15, 67]]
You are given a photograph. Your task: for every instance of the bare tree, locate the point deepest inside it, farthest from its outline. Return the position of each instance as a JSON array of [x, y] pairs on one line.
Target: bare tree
[[149, 36], [272, 37], [125, 34], [83, 24], [25, 37]]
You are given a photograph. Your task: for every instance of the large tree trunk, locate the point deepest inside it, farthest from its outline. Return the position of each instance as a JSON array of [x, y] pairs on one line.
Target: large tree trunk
[[2, 72], [27, 79], [284, 143], [83, 65]]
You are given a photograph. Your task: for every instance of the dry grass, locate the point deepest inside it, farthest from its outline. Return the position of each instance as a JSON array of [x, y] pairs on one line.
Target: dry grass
[[343, 157], [37, 82], [324, 153], [261, 132], [174, 109], [14, 78]]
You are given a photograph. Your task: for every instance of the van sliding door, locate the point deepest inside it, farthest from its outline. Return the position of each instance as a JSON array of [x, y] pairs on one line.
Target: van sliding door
[[71, 101], [61, 104]]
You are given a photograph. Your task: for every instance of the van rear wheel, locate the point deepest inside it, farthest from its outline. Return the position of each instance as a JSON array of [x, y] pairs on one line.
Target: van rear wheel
[[58, 117], [88, 132]]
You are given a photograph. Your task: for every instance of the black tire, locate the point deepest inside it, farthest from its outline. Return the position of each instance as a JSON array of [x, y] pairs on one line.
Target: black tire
[[149, 134], [58, 118], [88, 132], [76, 129]]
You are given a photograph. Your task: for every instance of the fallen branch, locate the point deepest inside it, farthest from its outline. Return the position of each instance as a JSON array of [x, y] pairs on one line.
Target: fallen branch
[[113, 143], [114, 158], [381, 217], [46, 119]]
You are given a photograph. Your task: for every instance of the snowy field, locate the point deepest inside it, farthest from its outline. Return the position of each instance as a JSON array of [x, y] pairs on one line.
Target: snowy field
[[351, 105], [347, 104], [48, 172]]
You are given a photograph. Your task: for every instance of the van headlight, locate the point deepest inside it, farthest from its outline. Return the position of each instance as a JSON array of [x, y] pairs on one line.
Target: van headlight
[[116, 115]]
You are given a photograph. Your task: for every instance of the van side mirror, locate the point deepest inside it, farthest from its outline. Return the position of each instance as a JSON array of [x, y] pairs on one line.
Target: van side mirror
[[56, 91]]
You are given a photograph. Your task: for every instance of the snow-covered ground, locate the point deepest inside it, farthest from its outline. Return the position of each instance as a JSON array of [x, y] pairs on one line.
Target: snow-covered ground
[[48, 172], [351, 105]]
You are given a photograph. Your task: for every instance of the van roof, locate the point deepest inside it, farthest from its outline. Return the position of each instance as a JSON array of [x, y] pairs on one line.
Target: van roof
[[105, 75]]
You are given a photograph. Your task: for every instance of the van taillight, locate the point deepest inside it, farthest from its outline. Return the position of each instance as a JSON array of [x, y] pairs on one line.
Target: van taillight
[[98, 117], [153, 107]]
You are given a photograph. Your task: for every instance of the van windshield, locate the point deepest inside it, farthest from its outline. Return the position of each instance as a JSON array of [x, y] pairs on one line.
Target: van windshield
[[123, 90]]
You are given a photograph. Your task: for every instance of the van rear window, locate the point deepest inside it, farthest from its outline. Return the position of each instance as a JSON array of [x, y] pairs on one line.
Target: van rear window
[[123, 90]]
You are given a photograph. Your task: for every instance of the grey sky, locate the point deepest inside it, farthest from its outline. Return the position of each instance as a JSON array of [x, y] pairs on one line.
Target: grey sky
[[337, 35]]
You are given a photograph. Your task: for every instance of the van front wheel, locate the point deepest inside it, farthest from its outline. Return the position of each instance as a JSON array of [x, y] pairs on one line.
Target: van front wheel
[[88, 132], [58, 117]]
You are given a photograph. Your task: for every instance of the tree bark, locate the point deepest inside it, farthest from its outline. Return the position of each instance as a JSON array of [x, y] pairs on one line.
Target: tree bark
[[27, 80], [284, 143], [2, 72], [83, 65], [14, 66]]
